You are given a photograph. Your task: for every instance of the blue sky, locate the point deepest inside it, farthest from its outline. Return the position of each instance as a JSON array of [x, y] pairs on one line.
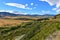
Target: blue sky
[[30, 6]]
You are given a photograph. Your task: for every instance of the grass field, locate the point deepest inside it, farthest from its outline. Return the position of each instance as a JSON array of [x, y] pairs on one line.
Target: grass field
[[10, 22], [28, 29]]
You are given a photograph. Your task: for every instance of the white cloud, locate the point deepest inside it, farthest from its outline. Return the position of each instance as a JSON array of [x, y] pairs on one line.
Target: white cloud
[[54, 9], [2, 10], [45, 11], [42, 12], [58, 11], [11, 11], [18, 5], [28, 8], [32, 3], [53, 2], [26, 4], [6, 11]]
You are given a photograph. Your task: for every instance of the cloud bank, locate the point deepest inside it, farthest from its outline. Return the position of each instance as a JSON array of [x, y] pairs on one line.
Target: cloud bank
[[11, 11]]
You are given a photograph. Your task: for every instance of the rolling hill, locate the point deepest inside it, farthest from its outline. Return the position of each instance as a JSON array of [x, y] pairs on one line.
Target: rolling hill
[[33, 30]]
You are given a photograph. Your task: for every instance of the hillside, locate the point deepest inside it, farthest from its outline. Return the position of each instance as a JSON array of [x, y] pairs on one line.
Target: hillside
[[33, 30], [11, 22]]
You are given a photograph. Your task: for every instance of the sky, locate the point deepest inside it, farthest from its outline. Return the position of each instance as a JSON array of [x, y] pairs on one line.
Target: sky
[[38, 7]]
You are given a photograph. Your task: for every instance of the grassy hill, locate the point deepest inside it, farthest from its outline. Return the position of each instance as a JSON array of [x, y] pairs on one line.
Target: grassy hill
[[32, 30]]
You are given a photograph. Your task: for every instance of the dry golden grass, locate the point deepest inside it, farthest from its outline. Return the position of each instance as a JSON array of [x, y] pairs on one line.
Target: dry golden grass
[[21, 17], [6, 22]]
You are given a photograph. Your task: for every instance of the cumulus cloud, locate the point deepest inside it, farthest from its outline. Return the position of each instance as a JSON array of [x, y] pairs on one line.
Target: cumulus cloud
[[53, 2], [32, 3], [18, 5]]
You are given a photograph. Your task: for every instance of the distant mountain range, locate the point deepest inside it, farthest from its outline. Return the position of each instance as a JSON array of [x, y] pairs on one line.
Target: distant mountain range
[[48, 15], [2, 14]]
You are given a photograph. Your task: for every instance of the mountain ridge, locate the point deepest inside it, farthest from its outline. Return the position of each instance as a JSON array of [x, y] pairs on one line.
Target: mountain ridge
[[3, 14]]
